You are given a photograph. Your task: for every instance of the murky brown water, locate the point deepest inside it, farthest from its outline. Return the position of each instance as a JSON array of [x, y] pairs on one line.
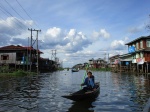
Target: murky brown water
[[118, 93]]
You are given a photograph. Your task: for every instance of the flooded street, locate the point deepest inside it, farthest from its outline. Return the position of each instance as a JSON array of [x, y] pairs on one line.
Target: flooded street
[[42, 93]]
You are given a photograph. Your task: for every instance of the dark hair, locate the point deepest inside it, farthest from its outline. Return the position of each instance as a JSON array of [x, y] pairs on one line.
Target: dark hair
[[89, 72]]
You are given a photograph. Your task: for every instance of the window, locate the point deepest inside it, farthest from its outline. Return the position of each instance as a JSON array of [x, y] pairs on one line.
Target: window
[[137, 45], [141, 44], [137, 55], [141, 55], [4, 57], [134, 56], [148, 43]]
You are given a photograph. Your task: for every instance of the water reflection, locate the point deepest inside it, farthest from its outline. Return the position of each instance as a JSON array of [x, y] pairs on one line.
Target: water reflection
[[42, 93], [82, 106]]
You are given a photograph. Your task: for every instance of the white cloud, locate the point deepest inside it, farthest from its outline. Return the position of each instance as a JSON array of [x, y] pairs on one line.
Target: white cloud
[[101, 34], [118, 45], [13, 26], [53, 36], [53, 32], [65, 60], [14, 31], [67, 41]]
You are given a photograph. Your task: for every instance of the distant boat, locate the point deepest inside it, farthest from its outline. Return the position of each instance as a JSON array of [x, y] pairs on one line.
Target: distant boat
[[82, 95], [75, 70]]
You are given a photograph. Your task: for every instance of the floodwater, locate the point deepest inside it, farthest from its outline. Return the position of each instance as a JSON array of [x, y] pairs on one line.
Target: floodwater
[[42, 93]]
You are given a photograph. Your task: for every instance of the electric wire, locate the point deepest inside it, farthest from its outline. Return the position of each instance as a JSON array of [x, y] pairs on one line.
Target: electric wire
[[5, 11], [26, 12], [15, 11], [7, 22]]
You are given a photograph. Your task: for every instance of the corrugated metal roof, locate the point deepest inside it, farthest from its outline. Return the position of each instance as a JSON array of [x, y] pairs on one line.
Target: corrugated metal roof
[[143, 37], [17, 47]]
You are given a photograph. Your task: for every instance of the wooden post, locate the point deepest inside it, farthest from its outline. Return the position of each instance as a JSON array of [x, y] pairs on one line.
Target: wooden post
[[15, 65], [120, 67], [137, 69], [130, 67], [147, 67], [142, 67], [24, 61]]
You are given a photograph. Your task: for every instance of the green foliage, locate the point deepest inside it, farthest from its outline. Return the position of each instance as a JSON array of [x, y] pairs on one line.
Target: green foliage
[[100, 69], [60, 68], [20, 73], [17, 73], [4, 69]]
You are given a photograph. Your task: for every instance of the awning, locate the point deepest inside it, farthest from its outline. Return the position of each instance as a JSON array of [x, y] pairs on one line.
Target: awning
[[126, 59]]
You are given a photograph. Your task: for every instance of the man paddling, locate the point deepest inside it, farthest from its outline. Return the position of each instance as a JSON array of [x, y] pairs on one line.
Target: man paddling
[[89, 82]]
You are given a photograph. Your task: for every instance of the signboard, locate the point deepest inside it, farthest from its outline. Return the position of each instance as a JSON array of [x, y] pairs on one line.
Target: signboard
[[116, 61], [134, 61], [131, 49], [127, 63], [140, 61]]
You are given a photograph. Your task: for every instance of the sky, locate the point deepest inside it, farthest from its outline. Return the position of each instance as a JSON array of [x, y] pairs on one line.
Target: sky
[[78, 29]]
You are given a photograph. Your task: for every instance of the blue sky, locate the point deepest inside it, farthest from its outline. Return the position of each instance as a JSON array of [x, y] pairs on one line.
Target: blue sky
[[78, 29]]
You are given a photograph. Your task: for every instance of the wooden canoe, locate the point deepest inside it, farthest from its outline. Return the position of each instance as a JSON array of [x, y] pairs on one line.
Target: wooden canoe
[[75, 70], [82, 95]]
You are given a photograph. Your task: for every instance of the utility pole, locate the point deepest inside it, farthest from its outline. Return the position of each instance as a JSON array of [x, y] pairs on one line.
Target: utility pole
[[30, 49], [31, 45], [53, 56], [108, 57], [105, 57], [27, 60], [37, 50]]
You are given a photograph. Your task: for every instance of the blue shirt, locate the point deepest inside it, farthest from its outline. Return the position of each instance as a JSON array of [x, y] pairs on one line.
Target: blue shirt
[[89, 82]]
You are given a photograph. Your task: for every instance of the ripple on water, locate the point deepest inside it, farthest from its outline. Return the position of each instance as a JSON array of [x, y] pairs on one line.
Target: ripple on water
[[118, 92]]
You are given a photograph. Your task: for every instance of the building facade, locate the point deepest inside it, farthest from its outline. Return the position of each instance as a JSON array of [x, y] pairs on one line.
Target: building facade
[[136, 60], [98, 63], [139, 49], [20, 57]]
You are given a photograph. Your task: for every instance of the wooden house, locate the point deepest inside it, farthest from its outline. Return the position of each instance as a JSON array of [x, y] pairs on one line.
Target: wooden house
[[18, 57], [98, 63], [114, 62], [139, 49]]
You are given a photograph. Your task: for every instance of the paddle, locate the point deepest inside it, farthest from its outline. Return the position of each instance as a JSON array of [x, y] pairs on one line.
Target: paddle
[[84, 76]]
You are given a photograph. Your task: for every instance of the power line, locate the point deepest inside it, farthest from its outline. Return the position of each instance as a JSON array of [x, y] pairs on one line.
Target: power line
[[24, 9], [26, 12], [15, 10], [7, 22], [7, 12]]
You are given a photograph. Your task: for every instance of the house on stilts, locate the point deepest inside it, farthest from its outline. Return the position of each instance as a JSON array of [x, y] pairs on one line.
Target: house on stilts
[[137, 60]]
